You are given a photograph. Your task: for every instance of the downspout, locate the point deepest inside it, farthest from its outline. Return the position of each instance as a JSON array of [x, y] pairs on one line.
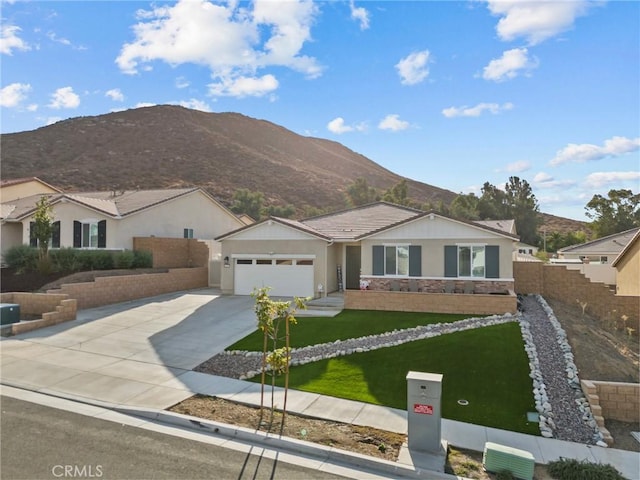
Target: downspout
[[326, 268]]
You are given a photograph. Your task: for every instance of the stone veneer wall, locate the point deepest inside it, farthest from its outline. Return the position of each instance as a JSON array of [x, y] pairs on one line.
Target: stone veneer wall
[[481, 304], [174, 252], [53, 308], [109, 290], [426, 285]]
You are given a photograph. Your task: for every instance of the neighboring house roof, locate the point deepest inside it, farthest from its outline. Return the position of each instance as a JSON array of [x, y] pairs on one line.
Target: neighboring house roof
[[609, 245], [359, 222], [627, 248], [116, 204], [17, 181], [508, 226]]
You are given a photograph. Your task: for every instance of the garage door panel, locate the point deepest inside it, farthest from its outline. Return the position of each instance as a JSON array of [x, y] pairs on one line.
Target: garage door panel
[[284, 280]]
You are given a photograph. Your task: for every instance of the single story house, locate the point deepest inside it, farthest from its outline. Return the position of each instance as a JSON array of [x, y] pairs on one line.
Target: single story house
[[627, 265], [111, 219], [376, 247], [601, 250]]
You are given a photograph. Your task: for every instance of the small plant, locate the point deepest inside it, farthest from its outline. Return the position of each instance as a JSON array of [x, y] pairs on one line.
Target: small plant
[[505, 475], [583, 305], [570, 469], [22, 258], [142, 259], [382, 447]]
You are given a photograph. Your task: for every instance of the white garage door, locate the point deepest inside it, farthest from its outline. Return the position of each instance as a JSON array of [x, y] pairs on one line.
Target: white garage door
[[287, 277]]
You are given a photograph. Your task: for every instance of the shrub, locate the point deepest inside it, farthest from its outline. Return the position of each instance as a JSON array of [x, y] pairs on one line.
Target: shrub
[[123, 259], [570, 469], [142, 259], [22, 258], [65, 259], [103, 260]]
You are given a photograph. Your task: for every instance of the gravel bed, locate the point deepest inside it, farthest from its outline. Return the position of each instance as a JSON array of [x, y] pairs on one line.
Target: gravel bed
[[564, 411]]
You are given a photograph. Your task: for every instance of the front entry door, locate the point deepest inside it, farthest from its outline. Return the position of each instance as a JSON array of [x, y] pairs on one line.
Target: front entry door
[[352, 274]]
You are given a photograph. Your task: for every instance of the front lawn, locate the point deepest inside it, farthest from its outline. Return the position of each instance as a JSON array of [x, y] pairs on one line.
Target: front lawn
[[487, 366], [347, 324]]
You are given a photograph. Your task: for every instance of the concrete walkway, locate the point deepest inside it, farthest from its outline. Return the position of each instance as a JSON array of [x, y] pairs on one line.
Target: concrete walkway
[[139, 355]]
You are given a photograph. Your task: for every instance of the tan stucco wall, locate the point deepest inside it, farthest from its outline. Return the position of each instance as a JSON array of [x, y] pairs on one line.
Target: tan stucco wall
[[628, 272], [10, 236], [433, 254], [265, 247], [22, 190]]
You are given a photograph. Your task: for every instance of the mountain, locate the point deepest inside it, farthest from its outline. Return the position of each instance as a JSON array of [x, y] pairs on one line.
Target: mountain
[[171, 146]]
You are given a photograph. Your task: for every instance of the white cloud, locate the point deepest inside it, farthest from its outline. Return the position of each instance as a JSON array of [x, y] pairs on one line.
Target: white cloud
[[233, 40], [338, 126], [360, 14], [465, 111], [414, 69], [600, 179], [64, 98], [244, 86], [392, 122], [542, 177], [509, 66], [10, 41], [585, 152], [14, 94], [52, 120], [535, 21], [195, 104], [545, 181], [518, 167], [55, 38], [182, 82], [145, 104], [115, 94]]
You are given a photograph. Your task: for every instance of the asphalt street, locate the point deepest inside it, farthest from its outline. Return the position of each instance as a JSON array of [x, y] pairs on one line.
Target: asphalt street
[[40, 442]]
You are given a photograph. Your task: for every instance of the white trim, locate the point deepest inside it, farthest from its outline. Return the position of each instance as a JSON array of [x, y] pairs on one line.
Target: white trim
[[277, 256]]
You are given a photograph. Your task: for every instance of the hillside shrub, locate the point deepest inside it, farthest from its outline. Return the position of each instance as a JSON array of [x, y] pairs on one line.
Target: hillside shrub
[[571, 469], [22, 258]]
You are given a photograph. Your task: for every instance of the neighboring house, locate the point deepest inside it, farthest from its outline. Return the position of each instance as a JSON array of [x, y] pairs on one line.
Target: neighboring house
[[110, 220], [627, 265], [522, 252], [602, 250], [382, 246], [23, 187]]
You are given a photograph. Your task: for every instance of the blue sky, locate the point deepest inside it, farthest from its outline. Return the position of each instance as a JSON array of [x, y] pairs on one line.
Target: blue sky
[[448, 93]]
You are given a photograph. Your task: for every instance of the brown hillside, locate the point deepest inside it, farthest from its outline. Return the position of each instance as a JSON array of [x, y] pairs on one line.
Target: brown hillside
[[562, 225], [171, 146]]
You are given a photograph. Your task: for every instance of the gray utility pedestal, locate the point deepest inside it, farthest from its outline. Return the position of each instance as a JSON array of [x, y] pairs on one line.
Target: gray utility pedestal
[[9, 313]]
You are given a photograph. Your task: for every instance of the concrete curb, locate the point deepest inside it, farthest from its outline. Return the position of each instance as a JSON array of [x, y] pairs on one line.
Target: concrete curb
[[288, 444]]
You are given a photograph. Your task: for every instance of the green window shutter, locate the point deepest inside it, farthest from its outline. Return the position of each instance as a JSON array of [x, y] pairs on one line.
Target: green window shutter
[[415, 260], [102, 234], [492, 261], [378, 260], [55, 235], [77, 234], [33, 241], [450, 261]]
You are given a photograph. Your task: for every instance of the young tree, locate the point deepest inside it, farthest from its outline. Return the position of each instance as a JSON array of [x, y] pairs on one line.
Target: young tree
[[271, 316], [617, 213], [398, 194], [523, 207], [43, 225], [360, 193], [465, 207]]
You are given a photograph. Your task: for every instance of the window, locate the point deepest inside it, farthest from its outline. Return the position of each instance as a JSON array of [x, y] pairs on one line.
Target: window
[[54, 241], [397, 260], [472, 261], [90, 234], [188, 233], [242, 261], [284, 262], [304, 262], [604, 259], [264, 262]]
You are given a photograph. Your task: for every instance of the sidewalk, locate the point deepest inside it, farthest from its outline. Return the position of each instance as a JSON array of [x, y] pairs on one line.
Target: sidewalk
[[139, 356]]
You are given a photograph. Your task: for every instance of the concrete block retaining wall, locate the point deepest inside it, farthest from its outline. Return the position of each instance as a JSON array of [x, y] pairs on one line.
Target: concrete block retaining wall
[[174, 252], [52, 308], [109, 290], [480, 304]]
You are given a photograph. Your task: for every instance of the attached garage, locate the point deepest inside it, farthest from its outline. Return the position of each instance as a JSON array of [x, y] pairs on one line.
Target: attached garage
[[287, 276]]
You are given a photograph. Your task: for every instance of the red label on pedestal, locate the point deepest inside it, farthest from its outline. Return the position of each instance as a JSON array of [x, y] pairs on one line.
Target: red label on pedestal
[[423, 409]]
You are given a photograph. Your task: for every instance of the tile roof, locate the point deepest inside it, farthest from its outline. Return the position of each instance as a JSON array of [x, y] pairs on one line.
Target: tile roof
[[611, 244], [113, 203], [508, 226]]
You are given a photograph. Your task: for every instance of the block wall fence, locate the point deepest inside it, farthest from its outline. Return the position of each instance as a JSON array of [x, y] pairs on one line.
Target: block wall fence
[[174, 252], [52, 308]]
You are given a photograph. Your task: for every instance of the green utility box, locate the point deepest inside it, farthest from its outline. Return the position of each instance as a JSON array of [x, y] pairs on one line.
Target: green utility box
[[497, 458], [9, 313]]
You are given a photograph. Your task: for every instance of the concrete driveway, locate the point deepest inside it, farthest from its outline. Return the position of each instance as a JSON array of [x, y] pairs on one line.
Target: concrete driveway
[[136, 353]]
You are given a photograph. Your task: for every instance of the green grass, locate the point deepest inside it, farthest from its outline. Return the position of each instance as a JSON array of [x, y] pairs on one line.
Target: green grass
[[487, 366], [348, 324]]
